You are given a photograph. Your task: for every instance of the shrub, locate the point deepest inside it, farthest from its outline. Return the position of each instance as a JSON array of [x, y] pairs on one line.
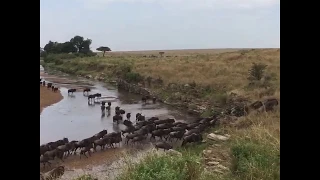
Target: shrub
[[256, 71], [133, 77]]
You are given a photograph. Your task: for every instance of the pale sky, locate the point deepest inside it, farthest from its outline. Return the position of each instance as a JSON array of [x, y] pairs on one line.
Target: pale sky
[[163, 24]]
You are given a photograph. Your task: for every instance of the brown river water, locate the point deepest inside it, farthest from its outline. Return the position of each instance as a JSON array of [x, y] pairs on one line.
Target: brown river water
[[73, 118]]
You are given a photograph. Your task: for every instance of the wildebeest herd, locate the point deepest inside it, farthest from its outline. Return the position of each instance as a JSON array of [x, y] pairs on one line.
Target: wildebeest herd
[[49, 85], [161, 132], [164, 131]]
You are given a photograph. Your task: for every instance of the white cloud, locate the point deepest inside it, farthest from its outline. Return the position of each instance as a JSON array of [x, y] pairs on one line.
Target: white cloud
[[192, 4]]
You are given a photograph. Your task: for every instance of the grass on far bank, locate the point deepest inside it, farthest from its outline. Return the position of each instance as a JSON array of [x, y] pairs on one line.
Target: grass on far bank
[[253, 152]]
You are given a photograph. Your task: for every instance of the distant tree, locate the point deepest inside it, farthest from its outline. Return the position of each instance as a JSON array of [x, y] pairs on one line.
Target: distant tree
[[103, 49], [85, 47], [76, 45]]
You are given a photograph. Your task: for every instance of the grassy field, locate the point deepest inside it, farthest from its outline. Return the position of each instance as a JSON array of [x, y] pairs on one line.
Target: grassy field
[[209, 79]]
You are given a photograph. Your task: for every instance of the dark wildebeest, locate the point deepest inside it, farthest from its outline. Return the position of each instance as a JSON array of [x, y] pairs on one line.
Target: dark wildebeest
[[154, 99], [165, 126], [130, 136], [55, 144], [86, 149], [44, 148], [100, 142], [270, 103], [86, 91], [163, 145], [52, 88], [45, 160], [84, 143], [102, 108], [109, 103], [191, 138], [49, 85], [91, 96], [144, 99], [122, 111], [192, 125], [127, 123], [40, 83], [117, 108], [138, 138], [140, 117], [54, 153], [129, 129], [178, 135], [55, 89], [117, 118], [100, 134], [152, 119], [71, 91], [108, 108], [43, 83], [164, 121], [128, 116], [191, 131], [157, 133]]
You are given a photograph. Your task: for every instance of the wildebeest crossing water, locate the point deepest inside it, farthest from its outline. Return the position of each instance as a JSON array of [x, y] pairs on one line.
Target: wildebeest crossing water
[[73, 118]]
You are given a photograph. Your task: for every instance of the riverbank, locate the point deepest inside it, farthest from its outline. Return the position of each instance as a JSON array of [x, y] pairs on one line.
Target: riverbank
[[48, 97], [209, 84]]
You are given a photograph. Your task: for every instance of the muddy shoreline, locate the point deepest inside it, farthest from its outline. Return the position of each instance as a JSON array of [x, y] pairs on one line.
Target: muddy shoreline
[[48, 97]]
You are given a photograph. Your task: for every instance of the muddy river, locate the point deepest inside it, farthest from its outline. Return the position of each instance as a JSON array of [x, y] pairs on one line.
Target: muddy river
[[73, 118]]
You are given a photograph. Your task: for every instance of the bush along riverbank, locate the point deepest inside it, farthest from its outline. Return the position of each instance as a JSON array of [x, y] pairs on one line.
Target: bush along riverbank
[[242, 88]]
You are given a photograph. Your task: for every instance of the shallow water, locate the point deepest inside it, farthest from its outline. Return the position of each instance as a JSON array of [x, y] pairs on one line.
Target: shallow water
[[73, 118]]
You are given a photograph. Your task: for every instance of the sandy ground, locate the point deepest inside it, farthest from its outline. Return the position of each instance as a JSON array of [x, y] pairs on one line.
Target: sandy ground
[[48, 97]]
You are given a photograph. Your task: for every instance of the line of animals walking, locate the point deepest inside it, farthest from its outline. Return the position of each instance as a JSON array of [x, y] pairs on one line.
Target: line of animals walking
[[161, 131], [49, 85]]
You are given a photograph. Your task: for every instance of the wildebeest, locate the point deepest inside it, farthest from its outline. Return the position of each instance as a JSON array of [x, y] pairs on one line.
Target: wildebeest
[[127, 123], [128, 116], [45, 160], [154, 99], [178, 135], [71, 91], [86, 149], [163, 145], [52, 88], [109, 103], [122, 111], [163, 121], [144, 99], [86, 91], [43, 83], [55, 89], [191, 138], [117, 118], [102, 108], [49, 85]]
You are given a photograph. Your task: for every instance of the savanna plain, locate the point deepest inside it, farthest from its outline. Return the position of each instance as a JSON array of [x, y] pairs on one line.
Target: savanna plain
[[207, 83]]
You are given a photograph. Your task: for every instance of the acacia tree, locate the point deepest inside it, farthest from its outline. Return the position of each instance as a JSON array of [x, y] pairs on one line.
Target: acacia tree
[[103, 49]]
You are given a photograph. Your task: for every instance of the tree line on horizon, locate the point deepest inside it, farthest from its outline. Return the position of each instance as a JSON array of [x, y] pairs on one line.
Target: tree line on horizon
[[76, 45]]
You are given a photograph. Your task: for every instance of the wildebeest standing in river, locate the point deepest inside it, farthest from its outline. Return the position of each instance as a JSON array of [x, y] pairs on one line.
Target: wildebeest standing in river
[[86, 91]]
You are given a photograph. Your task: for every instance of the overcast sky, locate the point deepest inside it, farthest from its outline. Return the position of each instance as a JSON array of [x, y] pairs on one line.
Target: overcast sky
[[163, 24]]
